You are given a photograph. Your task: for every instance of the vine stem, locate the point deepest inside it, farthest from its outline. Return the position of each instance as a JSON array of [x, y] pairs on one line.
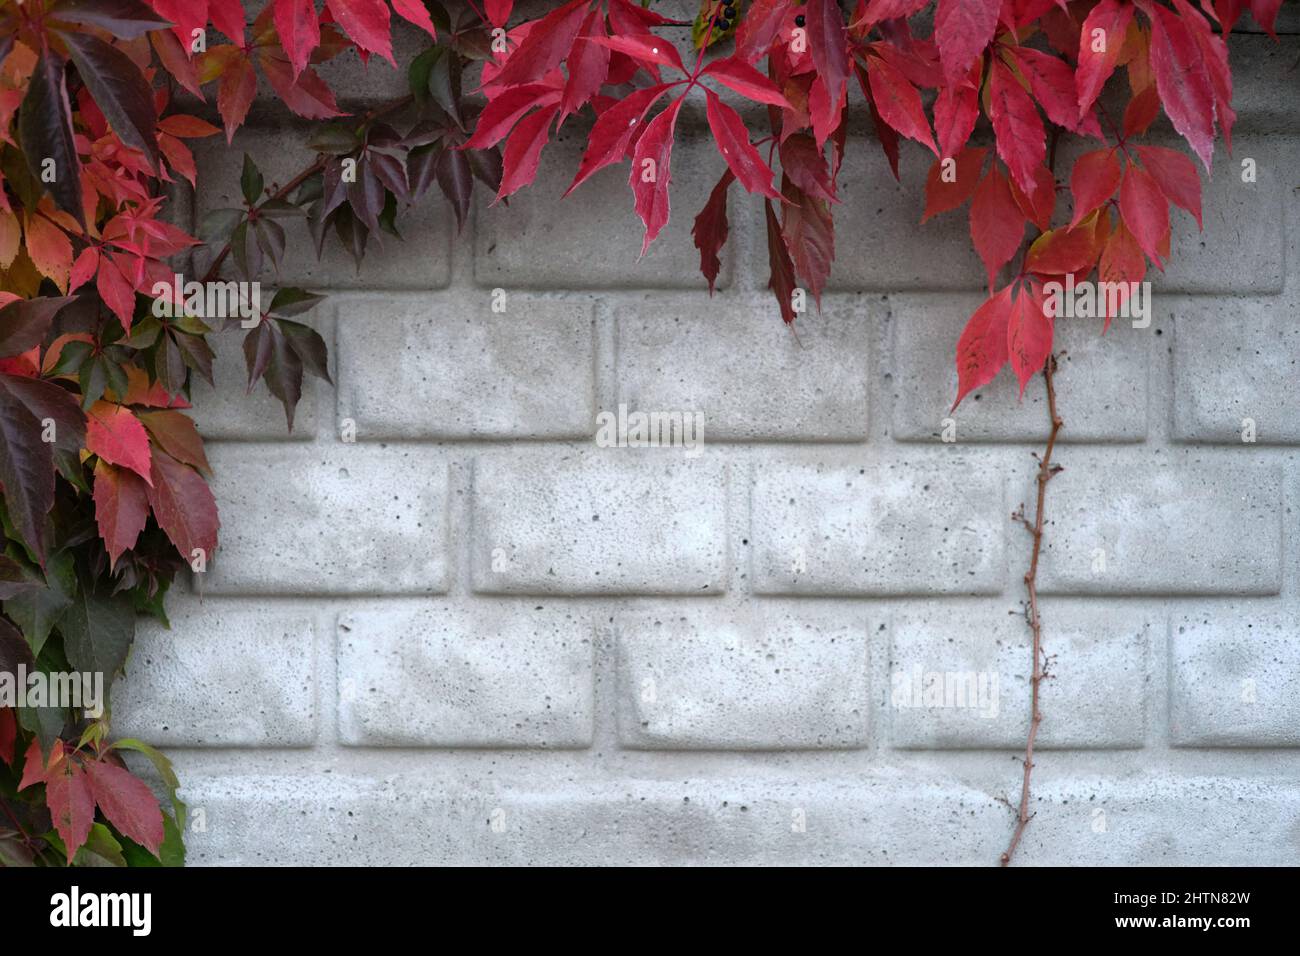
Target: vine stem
[[316, 166], [1046, 471], [214, 270]]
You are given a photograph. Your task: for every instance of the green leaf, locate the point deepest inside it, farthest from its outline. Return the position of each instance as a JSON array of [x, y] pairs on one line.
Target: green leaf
[[72, 357], [172, 850], [309, 347], [45, 128], [119, 90], [97, 630], [250, 181], [101, 843], [293, 301], [337, 139], [216, 227], [36, 612]]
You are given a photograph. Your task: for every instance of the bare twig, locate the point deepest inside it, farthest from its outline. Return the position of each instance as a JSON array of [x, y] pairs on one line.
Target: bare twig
[[1046, 471]]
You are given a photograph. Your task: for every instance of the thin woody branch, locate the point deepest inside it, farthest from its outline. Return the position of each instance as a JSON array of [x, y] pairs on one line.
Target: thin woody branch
[[1046, 471]]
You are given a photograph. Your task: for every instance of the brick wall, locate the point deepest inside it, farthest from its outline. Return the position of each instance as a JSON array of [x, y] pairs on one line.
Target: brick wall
[[473, 636]]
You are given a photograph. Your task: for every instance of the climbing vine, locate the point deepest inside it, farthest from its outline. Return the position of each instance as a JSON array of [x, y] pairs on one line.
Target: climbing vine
[[102, 335]]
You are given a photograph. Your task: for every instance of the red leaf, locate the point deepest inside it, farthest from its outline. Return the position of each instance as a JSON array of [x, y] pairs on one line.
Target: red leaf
[[1029, 334], [298, 27], [732, 139], [414, 11], [1022, 141], [962, 29], [828, 45], [878, 10], [760, 27], [825, 112], [1175, 174], [72, 808], [805, 164], [710, 229], [116, 435], [1052, 82], [235, 92], [523, 150], [1183, 81], [650, 171], [956, 109], [1039, 207], [1142, 110], [116, 290], [121, 508], [645, 48], [588, 67], [366, 23], [982, 348], [501, 114], [738, 75], [1121, 262], [996, 223], [183, 505], [34, 764], [899, 103], [229, 18], [1093, 180], [83, 269], [1100, 42], [308, 96], [498, 11], [809, 234], [547, 42], [613, 131], [780, 278], [1145, 211], [127, 803], [942, 195]]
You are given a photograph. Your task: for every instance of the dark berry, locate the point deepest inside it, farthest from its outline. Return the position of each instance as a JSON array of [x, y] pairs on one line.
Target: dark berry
[[724, 25], [729, 12], [799, 20]]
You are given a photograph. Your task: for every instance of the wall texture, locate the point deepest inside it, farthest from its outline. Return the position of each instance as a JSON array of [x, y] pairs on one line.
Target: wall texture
[[473, 636]]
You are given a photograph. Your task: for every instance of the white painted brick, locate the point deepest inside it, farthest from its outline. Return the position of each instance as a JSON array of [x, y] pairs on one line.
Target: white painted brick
[[909, 527], [1235, 364], [347, 519], [230, 412], [747, 680], [227, 674], [483, 676], [1102, 380], [1240, 250], [592, 239], [742, 820], [281, 153], [452, 368], [621, 521], [1155, 818], [1185, 528], [888, 249], [1094, 697], [732, 360], [1234, 679]]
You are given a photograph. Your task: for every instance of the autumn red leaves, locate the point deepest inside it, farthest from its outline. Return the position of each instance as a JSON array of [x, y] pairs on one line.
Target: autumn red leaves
[[1035, 70]]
